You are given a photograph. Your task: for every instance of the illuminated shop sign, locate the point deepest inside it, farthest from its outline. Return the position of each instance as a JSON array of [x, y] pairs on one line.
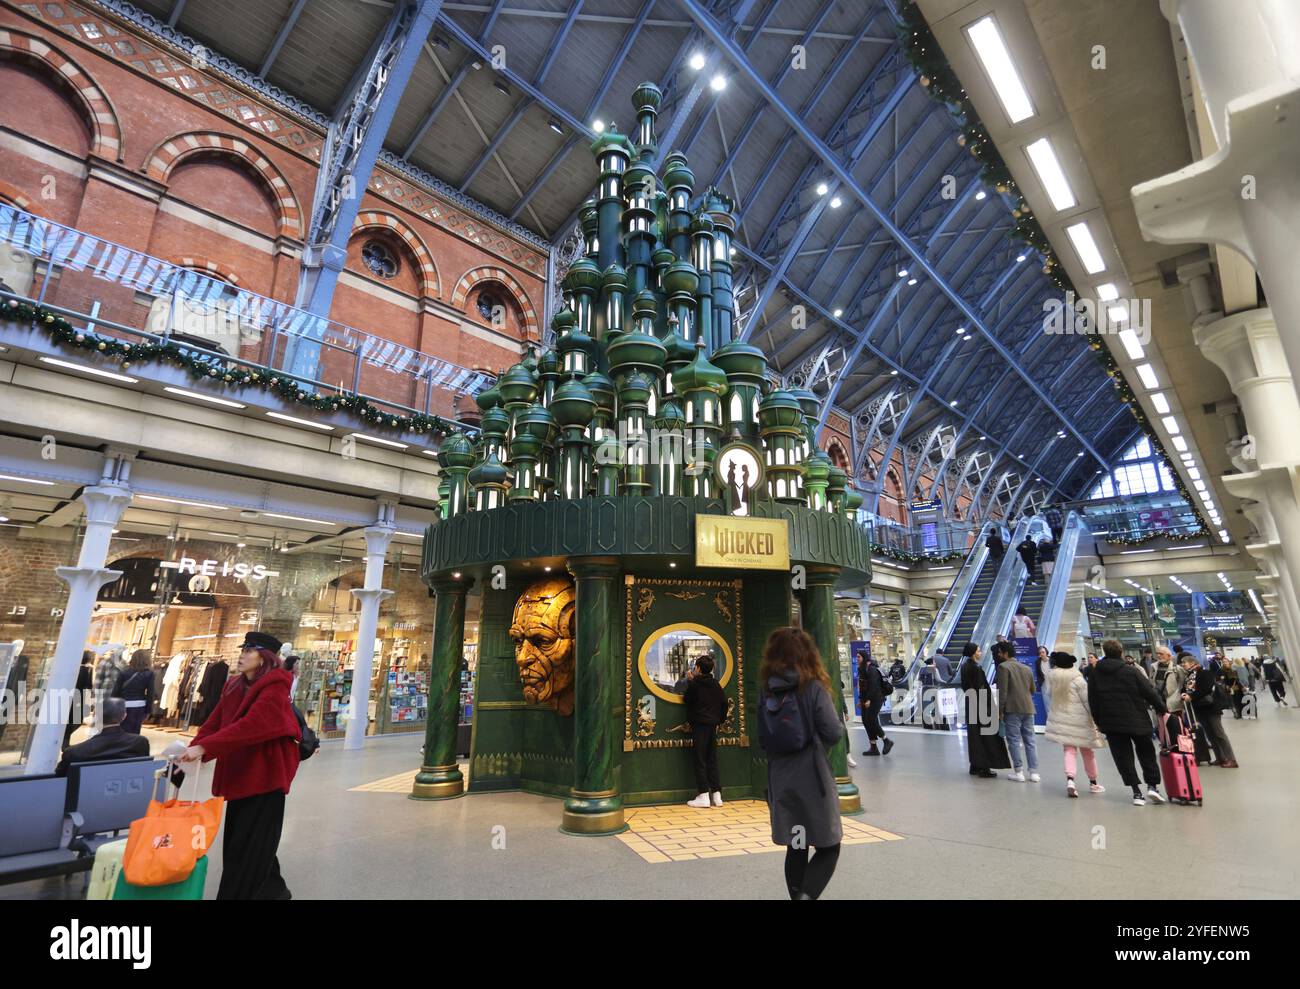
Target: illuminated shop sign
[[220, 568]]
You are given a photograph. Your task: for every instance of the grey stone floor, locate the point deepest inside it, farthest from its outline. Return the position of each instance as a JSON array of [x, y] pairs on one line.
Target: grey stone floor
[[965, 838]]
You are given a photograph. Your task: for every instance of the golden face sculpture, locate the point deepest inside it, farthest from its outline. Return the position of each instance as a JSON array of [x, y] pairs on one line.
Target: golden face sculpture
[[543, 632]]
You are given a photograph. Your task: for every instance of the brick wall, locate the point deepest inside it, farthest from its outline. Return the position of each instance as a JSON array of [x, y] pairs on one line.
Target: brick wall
[[219, 175]]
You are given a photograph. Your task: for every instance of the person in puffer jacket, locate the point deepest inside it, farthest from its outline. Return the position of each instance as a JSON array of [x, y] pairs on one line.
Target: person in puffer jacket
[[1069, 721], [1121, 699]]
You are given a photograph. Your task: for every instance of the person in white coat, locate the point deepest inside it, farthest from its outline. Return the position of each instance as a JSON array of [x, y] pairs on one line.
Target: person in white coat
[[1069, 722]]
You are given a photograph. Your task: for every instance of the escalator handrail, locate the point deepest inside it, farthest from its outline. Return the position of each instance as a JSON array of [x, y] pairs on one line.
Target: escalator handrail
[[1004, 596], [955, 602], [1049, 620]]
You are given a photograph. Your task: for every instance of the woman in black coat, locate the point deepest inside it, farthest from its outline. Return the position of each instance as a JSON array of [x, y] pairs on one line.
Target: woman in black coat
[[984, 746]]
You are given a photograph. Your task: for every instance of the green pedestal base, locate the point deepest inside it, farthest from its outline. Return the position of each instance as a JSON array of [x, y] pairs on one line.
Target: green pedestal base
[[593, 814], [850, 800], [438, 783]]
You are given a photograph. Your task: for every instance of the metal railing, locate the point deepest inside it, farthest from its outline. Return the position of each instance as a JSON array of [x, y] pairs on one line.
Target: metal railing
[[116, 292], [1049, 619], [941, 540]]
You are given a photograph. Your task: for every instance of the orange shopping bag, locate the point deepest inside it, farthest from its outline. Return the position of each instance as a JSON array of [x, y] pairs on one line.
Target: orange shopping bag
[[163, 846]]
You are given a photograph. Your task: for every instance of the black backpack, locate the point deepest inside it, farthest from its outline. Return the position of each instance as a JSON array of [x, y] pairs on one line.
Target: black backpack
[[782, 725], [310, 743]]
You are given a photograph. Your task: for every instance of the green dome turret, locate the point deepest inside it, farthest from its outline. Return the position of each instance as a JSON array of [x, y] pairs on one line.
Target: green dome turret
[[699, 375], [583, 275], [456, 451], [573, 404], [741, 359], [488, 398], [780, 409], [517, 385], [677, 172]]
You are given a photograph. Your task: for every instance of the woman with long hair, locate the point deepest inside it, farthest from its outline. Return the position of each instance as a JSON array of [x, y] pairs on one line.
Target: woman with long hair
[[801, 795], [984, 746], [253, 734], [135, 686]]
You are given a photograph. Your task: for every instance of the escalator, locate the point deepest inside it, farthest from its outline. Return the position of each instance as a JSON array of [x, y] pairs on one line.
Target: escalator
[[970, 613]]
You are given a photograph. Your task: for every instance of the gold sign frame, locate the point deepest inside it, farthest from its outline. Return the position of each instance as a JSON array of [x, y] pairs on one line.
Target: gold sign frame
[[751, 543], [736, 621]]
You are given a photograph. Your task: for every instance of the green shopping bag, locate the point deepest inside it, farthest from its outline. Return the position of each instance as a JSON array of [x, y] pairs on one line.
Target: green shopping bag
[[186, 889]]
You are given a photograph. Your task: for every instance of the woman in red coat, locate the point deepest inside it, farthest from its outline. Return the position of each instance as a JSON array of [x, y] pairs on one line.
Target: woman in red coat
[[253, 734]]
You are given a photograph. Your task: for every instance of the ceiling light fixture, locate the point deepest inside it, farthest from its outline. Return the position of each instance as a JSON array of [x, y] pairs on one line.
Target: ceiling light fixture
[[697, 61], [300, 422], [555, 126], [1043, 158], [26, 480], [822, 188], [89, 370], [204, 398], [981, 195], [1171, 425], [1160, 402], [1107, 292], [297, 518], [1180, 444], [179, 501], [718, 83], [1147, 375], [598, 126], [836, 202], [986, 39], [1081, 237], [379, 439]]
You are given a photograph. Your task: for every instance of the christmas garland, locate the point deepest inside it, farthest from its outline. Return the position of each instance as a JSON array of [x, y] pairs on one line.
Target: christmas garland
[[202, 366], [1173, 537], [904, 557], [938, 78]]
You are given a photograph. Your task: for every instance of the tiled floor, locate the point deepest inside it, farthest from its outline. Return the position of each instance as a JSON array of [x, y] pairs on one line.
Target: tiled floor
[[674, 833]]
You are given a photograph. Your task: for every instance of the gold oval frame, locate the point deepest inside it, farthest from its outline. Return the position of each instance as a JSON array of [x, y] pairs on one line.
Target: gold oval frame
[[659, 633]]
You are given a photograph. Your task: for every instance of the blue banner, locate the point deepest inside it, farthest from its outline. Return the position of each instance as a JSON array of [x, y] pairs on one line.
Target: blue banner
[[1027, 653]]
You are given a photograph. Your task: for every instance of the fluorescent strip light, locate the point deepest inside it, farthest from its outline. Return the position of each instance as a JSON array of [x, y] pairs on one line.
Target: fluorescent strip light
[[296, 518], [376, 439], [1117, 314], [89, 370], [1148, 375], [1171, 425], [1107, 292], [986, 39], [178, 501], [26, 480], [1199, 485], [1050, 174], [1160, 402], [1223, 534], [1132, 345], [205, 398], [300, 422], [1194, 474], [1086, 248]]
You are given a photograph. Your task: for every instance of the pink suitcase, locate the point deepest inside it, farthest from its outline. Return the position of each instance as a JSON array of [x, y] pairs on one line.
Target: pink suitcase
[[1178, 768]]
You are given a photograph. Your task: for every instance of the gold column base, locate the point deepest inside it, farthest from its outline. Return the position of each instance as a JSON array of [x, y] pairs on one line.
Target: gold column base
[[435, 784], [849, 797], [610, 822]]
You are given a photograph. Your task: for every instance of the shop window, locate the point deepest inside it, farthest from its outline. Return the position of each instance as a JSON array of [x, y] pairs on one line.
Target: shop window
[[379, 259]]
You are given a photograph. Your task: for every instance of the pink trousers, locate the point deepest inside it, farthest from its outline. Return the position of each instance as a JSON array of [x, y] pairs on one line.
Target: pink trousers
[[1089, 761]]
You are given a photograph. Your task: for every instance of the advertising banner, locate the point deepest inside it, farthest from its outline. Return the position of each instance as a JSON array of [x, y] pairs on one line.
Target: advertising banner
[[1027, 653]]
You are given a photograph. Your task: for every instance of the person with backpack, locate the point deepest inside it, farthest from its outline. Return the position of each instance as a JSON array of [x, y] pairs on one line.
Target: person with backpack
[[1169, 678], [928, 679], [706, 708], [984, 746], [135, 687], [254, 735], [797, 725], [1120, 699], [1208, 701], [872, 691], [1272, 672]]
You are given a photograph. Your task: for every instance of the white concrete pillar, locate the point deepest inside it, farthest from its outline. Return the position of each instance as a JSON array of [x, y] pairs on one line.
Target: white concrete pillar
[[104, 505], [377, 539], [1246, 55]]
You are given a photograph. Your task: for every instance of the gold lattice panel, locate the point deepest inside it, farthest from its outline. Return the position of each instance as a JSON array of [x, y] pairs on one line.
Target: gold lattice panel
[[676, 833]]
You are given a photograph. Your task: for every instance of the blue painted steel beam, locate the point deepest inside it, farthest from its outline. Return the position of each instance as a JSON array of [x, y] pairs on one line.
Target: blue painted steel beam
[[281, 36], [710, 28], [557, 43], [347, 160], [466, 64]]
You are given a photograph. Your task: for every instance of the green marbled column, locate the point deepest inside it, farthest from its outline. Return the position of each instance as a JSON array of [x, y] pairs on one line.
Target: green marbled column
[[819, 622], [595, 805], [440, 776]]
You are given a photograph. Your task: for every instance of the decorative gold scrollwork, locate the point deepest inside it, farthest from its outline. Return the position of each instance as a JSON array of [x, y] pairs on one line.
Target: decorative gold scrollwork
[[645, 722], [724, 609], [727, 727], [685, 595], [645, 599]]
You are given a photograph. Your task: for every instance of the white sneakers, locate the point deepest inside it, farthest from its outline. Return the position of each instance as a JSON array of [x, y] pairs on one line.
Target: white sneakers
[[1035, 778], [1070, 789], [853, 763], [706, 800], [1154, 795], [1016, 777], [1139, 800], [1096, 788]]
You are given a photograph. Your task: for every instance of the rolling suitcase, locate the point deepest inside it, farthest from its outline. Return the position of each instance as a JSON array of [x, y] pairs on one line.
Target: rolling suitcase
[[103, 874], [1178, 767]]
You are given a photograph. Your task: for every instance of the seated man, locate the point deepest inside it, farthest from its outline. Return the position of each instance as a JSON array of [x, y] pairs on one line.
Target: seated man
[[110, 744]]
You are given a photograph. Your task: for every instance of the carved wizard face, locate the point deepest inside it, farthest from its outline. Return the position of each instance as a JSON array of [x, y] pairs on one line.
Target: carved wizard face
[[543, 631]]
